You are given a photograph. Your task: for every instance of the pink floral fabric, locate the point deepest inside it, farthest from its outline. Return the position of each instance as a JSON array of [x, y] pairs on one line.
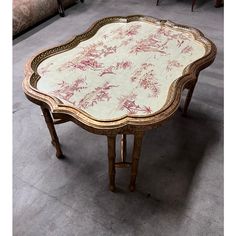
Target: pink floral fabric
[[124, 69]]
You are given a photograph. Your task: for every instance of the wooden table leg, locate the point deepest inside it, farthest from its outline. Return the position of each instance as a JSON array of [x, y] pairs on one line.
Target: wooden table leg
[[51, 128], [123, 145], [138, 137], [188, 98], [60, 8], [193, 3], [111, 140]]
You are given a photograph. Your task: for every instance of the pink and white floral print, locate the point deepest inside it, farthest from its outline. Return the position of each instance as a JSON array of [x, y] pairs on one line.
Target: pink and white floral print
[[179, 43], [123, 32], [128, 104], [83, 65], [126, 36], [172, 64], [145, 78], [170, 34], [45, 69], [187, 50], [100, 94], [123, 65], [124, 69], [88, 59], [97, 50], [155, 43], [150, 44], [66, 90]]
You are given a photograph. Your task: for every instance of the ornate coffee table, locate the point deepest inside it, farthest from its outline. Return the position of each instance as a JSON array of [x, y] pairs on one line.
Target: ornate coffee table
[[124, 75]]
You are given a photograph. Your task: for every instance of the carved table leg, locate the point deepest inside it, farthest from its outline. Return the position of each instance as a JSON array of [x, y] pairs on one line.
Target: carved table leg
[[51, 128], [123, 148], [111, 139], [138, 137], [188, 98]]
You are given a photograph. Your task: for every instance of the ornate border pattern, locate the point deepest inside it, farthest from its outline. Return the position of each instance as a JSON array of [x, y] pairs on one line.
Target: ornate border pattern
[[128, 124]]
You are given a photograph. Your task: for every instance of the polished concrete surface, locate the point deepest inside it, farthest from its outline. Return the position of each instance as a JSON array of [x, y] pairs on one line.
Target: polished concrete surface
[[180, 180]]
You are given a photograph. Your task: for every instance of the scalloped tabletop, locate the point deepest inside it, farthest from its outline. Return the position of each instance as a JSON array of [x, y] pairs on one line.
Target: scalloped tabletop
[[124, 69], [122, 74]]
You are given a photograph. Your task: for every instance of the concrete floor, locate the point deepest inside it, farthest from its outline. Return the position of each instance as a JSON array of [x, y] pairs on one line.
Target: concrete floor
[[180, 181]]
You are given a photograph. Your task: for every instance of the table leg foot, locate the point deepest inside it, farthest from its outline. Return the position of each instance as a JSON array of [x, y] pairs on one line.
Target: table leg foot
[[112, 188], [60, 8], [132, 185], [60, 156], [138, 137], [111, 140], [52, 131]]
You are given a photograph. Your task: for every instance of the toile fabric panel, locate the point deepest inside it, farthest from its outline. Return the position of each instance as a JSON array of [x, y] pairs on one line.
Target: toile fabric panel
[[124, 69]]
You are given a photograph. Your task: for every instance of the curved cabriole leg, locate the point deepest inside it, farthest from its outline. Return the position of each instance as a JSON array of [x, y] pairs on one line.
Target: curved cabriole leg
[[111, 140], [51, 128], [188, 98], [138, 137]]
